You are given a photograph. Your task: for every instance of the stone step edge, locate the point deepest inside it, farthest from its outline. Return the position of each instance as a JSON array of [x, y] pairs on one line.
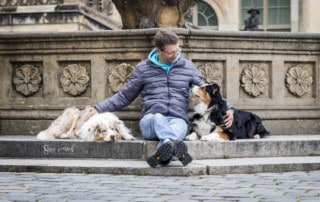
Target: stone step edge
[[175, 168], [293, 137], [272, 146]]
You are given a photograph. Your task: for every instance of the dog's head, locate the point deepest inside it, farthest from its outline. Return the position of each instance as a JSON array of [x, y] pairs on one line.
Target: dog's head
[[209, 94], [106, 131], [211, 97]]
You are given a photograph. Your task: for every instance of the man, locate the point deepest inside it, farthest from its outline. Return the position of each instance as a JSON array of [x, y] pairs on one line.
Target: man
[[163, 80]]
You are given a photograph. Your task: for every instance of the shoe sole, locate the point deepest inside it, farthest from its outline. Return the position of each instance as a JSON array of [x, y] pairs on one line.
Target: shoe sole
[[181, 152], [163, 154]]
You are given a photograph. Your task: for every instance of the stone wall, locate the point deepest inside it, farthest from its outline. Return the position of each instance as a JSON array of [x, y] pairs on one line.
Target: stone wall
[[275, 75]]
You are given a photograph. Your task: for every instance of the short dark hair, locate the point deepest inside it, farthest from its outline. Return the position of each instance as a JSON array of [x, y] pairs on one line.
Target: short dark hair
[[165, 37]]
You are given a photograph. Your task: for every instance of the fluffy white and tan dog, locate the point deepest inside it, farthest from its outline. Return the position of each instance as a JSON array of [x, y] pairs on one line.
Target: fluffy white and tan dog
[[71, 124], [105, 126]]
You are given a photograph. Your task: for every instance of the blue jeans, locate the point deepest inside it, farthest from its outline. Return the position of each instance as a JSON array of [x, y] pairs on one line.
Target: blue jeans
[[162, 128]]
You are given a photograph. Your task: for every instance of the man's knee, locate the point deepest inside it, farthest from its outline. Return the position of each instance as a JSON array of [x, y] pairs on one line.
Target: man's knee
[[158, 116], [154, 119]]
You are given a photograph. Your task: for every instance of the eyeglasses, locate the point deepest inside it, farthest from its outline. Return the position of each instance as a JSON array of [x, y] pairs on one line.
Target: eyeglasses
[[172, 53]]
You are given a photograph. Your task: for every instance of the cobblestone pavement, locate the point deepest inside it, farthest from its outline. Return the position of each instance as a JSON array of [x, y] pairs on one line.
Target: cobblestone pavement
[[291, 186]]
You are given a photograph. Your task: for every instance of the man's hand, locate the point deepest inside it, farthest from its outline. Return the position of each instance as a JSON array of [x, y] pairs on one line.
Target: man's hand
[[228, 118], [90, 114]]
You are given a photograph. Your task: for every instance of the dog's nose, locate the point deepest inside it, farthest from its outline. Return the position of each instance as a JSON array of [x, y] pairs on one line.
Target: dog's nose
[[112, 137]]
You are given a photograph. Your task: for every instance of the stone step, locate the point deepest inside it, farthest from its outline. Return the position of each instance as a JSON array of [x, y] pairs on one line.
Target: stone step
[[271, 146], [175, 168]]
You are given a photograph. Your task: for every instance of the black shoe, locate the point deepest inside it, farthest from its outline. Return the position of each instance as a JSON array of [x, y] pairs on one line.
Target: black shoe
[[162, 155], [180, 150], [165, 163]]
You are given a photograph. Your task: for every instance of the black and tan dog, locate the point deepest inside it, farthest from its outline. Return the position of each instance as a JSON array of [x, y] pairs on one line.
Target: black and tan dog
[[207, 122]]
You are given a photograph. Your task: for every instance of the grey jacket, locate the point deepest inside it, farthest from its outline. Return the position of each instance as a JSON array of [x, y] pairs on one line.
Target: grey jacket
[[163, 93]]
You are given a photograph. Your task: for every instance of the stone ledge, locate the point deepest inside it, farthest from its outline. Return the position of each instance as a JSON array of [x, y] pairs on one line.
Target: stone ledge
[[259, 165], [139, 167], [271, 146], [32, 148]]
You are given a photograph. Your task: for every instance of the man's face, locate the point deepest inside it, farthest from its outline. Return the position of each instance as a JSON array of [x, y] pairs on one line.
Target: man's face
[[169, 54], [253, 13]]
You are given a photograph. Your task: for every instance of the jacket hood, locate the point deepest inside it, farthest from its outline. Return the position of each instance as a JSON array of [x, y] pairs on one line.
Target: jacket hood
[[153, 57]]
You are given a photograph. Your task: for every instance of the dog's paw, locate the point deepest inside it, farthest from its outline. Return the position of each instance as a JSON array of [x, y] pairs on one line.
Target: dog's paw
[[256, 136], [43, 135], [212, 137], [129, 137], [206, 138], [192, 137]]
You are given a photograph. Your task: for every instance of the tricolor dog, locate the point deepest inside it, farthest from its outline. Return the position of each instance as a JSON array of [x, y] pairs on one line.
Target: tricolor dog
[[207, 122]]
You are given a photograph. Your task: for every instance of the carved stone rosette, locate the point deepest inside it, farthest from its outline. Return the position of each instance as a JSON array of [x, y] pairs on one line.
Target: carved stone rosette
[[27, 80], [74, 79], [298, 80], [119, 76], [254, 79], [210, 73]]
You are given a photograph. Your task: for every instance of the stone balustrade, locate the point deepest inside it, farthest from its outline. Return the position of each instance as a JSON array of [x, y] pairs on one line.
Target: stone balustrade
[[275, 75]]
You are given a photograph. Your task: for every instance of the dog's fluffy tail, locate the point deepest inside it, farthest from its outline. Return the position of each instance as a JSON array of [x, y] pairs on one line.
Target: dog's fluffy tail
[[62, 126], [44, 135]]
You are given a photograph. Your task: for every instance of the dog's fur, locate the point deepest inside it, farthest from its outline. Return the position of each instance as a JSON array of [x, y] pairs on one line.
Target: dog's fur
[[71, 124], [207, 123]]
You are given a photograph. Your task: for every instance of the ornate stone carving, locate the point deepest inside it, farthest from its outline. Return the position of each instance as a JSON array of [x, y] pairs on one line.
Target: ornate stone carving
[[210, 73], [29, 2], [119, 76], [74, 79], [139, 14], [254, 79], [102, 6], [26, 80], [298, 80]]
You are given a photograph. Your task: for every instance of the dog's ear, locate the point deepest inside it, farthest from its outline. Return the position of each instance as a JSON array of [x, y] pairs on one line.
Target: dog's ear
[[215, 88], [214, 92], [209, 90], [116, 124], [219, 99]]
